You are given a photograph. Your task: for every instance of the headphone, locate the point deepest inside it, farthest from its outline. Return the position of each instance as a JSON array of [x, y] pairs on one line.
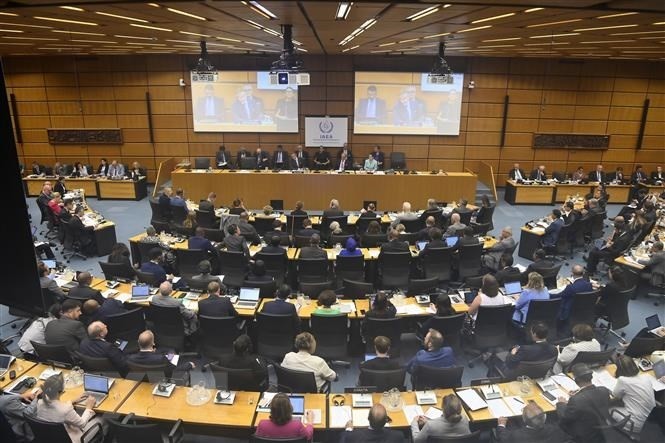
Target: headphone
[[338, 400]]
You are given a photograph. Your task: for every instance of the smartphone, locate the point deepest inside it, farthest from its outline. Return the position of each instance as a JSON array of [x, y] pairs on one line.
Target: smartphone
[[549, 396]]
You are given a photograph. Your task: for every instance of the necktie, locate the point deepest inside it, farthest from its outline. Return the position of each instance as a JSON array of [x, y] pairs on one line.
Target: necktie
[[279, 157], [249, 114], [518, 176]]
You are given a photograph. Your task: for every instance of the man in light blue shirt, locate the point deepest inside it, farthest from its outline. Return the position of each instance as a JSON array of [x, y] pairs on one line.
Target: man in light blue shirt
[[434, 354]]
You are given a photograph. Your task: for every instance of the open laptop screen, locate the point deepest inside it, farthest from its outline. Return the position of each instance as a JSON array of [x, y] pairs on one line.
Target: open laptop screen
[[451, 241], [50, 263], [95, 383], [140, 291], [653, 322], [513, 287], [249, 294], [298, 404], [421, 245]]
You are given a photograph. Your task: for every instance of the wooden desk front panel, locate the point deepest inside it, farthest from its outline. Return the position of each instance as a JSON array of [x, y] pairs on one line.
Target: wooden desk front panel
[[565, 190], [316, 190], [120, 189], [532, 194], [34, 185]]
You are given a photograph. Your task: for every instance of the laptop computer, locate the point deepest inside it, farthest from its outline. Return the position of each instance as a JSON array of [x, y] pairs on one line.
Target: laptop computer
[[248, 298], [421, 245], [298, 404], [452, 241], [96, 386], [653, 322], [5, 362], [140, 293], [512, 288], [50, 263]]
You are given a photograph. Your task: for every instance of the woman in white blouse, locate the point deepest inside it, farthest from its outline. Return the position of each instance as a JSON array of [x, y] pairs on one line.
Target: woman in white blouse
[[487, 296], [635, 391], [370, 164], [583, 340]]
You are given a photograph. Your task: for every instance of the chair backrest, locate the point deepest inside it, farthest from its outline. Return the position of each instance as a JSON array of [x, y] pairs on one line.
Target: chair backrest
[[339, 239], [275, 334], [388, 327], [413, 225], [206, 219], [326, 220], [617, 308], [247, 163], [266, 288], [167, 325], [98, 365], [491, 326], [45, 431], [550, 275], [331, 333], [363, 222], [218, 334], [373, 240], [201, 163], [641, 346], [450, 327], [156, 210], [465, 218], [384, 380], [598, 224], [469, 260], [147, 278], [544, 311], [126, 432], [312, 269], [52, 354], [188, 260], [235, 379], [314, 289], [144, 249], [275, 264], [481, 228], [429, 377], [213, 234], [263, 225], [357, 289], [114, 270], [410, 237], [395, 269], [350, 267], [422, 285], [593, 359], [290, 380], [397, 160], [294, 223], [533, 369], [126, 326], [583, 308], [149, 373], [178, 214], [473, 437]]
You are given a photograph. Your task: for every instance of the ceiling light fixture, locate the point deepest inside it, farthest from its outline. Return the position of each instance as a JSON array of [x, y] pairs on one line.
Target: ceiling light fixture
[[26, 26], [11, 14], [77, 32], [18, 31], [351, 48], [343, 10], [359, 30], [260, 9], [93, 41], [382, 45], [502, 39], [623, 14], [604, 27], [194, 33], [186, 14], [133, 36], [437, 35], [533, 10], [151, 27], [154, 5], [497, 46], [72, 8], [496, 17], [422, 13], [228, 39], [606, 41], [474, 29], [638, 33], [62, 20], [554, 23], [569, 34], [123, 17], [32, 38]]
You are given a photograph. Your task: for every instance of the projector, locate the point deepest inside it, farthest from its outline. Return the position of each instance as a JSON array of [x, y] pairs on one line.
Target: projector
[[289, 78], [440, 79]]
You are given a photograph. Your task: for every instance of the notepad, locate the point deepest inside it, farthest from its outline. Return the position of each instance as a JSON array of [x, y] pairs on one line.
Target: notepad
[[316, 416], [109, 293], [603, 378], [411, 412], [339, 416], [565, 382], [433, 413], [499, 408], [516, 404], [471, 399], [360, 418]]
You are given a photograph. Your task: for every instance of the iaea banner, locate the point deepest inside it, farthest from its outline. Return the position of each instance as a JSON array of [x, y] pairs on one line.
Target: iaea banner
[[326, 131]]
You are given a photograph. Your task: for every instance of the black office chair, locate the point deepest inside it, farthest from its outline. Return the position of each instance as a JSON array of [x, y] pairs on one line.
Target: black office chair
[[617, 313], [188, 260], [550, 275], [72, 246], [641, 346], [247, 163], [410, 237], [543, 311], [57, 355], [126, 326], [167, 325], [206, 219], [232, 379], [491, 328], [218, 334], [213, 234], [98, 365], [233, 266], [195, 284], [149, 373], [302, 382], [130, 430], [276, 264], [383, 380], [349, 268], [201, 163], [469, 261], [450, 327], [294, 223], [363, 222], [338, 239], [331, 333], [313, 290], [532, 369], [437, 263], [481, 228], [394, 268], [182, 231], [473, 437], [161, 226], [597, 225], [325, 224], [147, 277], [592, 359], [55, 432], [178, 215], [300, 241], [419, 286], [583, 309], [356, 289], [113, 271], [275, 334], [397, 160], [263, 225], [373, 240], [312, 270], [266, 288], [428, 377], [388, 327]]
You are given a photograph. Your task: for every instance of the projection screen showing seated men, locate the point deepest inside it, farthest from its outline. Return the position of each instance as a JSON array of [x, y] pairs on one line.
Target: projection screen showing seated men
[[405, 103], [240, 101]]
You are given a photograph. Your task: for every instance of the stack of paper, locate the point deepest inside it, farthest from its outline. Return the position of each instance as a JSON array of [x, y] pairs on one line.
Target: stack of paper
[[316, 416], [498, 408], [360, 418], [123, 297], [565, 382], [516, 404], [603, 378], [339, 416], [411, 412], [264, 403], [471, 399], [433, 413]]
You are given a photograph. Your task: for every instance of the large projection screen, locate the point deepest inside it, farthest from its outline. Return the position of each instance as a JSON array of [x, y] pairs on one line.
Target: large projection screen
[[240, 101], [405, 103]]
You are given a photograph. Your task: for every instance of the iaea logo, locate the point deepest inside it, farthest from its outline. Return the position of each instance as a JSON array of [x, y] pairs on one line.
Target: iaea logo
[[326, 126]]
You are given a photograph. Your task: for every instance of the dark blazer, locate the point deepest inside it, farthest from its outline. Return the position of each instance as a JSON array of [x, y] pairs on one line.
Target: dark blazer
[[312, 252], [201, 243], [157, 358], [298, 212], [66, 332], [282, 307], [239, 155], [381, 364], [380, 158], [395, 246], [111, 306], [372, 436], [157, 270], [638, 177], [579, 285], [551, 235], [369, 214], [534, 175], [60, 188], [262, 160], [236, 243], [531, 353], [583, 412], [251, 363], [308, 232], [136, 174], [103, 169], [655, 177], [223, 157], [285, 159], [84, 293], [548, 434], [508, 274], [206, 205], [295, 164], [273, 250], [249, 232], [330, 212], [380, 110], [303, 156], [100, 348], [593, 177], [512, 174], [215, 306], [618, 176]]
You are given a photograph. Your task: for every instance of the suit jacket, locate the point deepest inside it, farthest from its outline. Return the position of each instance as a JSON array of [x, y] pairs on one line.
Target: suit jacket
[[616, 176], [282, 307], [534, 175], [111, 306], [538, 266], [223, 157], [252, 111], [262, 160], [655, 177], [452, 229], [577, 286], [380, 111], [380, 158], [273, 250], [249, 232], [551, 235], [285, 159], [117, 170], [135, 174], [638, 177], [493, 255], [103, 169], [531, 353], [215, 109], [60, 188], [206, 205], [548, 434], [620, 242], [508, 274], [298, 212], [583, 412], [66, 332], [332, 213], [215, 306], [395, 246], [381, 364], [236, 243], [412, 113], [372, 436], [656, 265], [593, 177], [313, 252], [512, 174], [240, 155], [156, 270], [308, 232], [157, 358], [84, 293], [295, 164], [201, 243], [98, 347], [303, 156]]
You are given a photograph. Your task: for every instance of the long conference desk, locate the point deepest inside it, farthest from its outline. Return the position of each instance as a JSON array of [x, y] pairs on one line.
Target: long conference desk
[[316, 189], [550, 193], [102, 188]]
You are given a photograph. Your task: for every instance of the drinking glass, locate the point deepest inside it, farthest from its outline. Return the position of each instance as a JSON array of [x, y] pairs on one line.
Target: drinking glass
[[525, 384]]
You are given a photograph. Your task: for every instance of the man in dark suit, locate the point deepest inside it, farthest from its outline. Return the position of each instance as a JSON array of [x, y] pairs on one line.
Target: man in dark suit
[[369, 212], [394, 244], [280, 306], [204, 276], [432, 210], [655, 265], [209, 108], [407, 112], [534, 428], [371, 109], [307, 230], [539, 262], [153, 266], [313, 250], [537, 351], [97, 346], [222, 158], [322, 159], [376, 433], [539, 174], [344, 160], [569, 214], [262, 160], [149, 356], [280, 158], [242, 153], [435, 234], [303, 156], [382, 361], [60, 187], [277, 232], [658, 175], [216, 305], [247, 230], [551, 235], [246, 109], [379, 157], [81, 232], [38, 169], [136, 171], [619, 241], [199, 242], [587, 409], [83, 291], [598, 175], [425, 233], [579, 284], [507, 272], [233, 241], [299, 209], [617, 176], [639, 176], [209, 203], [333, 210], [296, 163], [67, 330]]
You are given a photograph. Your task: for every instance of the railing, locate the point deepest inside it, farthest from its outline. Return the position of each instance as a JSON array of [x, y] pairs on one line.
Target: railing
[[163, 174], [486, 177]]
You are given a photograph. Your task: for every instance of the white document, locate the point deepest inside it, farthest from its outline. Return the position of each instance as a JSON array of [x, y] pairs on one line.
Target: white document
[[374, 253], [109, 293], [410, 310], [657, 384], [516, 404], [339, 416], [175, 280], [411, 412], [471, 398], [522, 268], [565, 382], [498, 408], [175, 359], [508, 300], [433, 413], [360, 418], [346, 308], [264, 403], [316, 416], [603, 378], [123, 297], [192, 305]]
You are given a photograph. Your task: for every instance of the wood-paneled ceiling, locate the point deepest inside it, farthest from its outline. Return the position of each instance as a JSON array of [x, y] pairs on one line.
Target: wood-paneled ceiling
[[503, 28]]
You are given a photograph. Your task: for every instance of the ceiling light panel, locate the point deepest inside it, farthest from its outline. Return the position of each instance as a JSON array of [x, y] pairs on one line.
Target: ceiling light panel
[[343, 10], [260, 9], [122, 17]]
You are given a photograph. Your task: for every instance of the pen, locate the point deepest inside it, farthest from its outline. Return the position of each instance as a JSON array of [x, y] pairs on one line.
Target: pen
[[518, 400]]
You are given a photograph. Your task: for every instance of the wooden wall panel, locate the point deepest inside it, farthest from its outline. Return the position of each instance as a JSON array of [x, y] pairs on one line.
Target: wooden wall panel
[[591, 96]]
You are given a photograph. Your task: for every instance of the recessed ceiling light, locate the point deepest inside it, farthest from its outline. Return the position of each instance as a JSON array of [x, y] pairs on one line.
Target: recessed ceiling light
[[496, 17], [438, 35], [474, 29], [302, 49], [62, 20], [77, 32], [133, 36], [497, 46], [186, 14], [386, 44], [554, 23], [603, 27], [343, 10], [186, 41], [11, 14], [228, 39], [659, 23], [623, 14], [569, 34], [18, 31], [123, 17], [408, 40], [151, 27], [547, 44], [32, 38], [72, 8], [351, 48], [94, 41], [154, 5], [638, 33], [422, 13], [533, 10], [194, 33], [502, 39], [607, 41], [26, 26], [260, 9], [255, 43], [359, 30]]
